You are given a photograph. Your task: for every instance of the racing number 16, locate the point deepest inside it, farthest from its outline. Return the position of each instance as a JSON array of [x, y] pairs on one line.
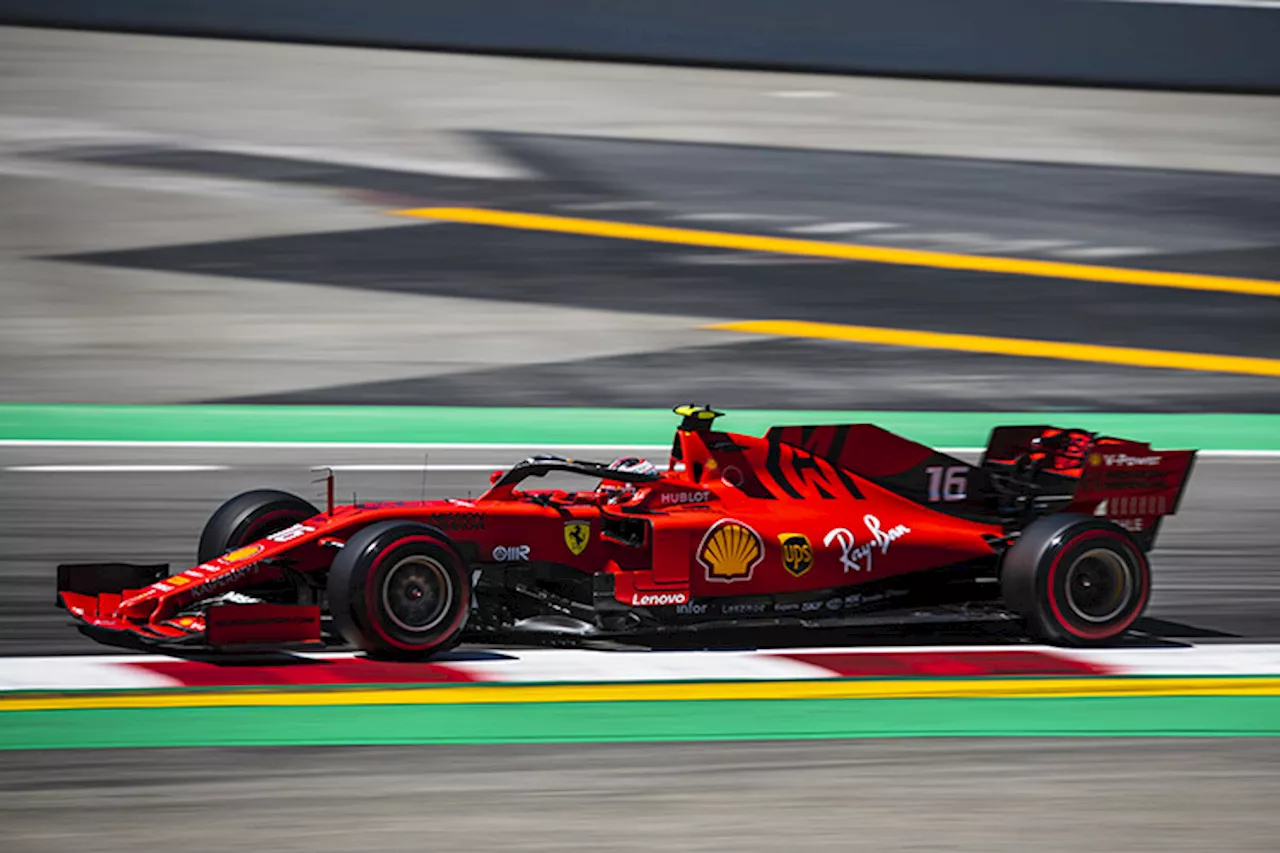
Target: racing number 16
[[947, 484]]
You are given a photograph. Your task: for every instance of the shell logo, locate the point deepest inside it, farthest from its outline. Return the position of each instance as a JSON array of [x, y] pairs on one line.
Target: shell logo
[[1095, 459], [241, 554], [730, 551]]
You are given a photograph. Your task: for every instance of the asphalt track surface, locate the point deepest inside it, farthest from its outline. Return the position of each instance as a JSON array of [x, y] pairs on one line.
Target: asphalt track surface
[[188, 220], [1215, 563], [993, 796]]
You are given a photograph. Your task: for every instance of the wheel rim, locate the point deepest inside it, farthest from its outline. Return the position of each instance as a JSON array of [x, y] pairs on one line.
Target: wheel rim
[[416, 594], [1098, 585]]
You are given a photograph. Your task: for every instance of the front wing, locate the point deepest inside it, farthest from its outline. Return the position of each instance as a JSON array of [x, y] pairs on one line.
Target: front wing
[[91, 592]]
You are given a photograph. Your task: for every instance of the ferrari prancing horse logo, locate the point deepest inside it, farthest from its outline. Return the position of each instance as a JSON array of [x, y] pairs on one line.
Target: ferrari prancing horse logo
[[576, 535]]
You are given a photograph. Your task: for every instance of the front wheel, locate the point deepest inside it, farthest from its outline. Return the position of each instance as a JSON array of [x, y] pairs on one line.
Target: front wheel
[[399, 589], [248, 517], [1077, 580]]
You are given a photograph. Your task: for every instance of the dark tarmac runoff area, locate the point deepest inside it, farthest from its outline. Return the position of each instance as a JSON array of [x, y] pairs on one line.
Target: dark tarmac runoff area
[[1182, 223], [192, 221]]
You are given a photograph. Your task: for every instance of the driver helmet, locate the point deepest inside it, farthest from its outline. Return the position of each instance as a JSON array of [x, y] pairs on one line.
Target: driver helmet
[[631, 465]]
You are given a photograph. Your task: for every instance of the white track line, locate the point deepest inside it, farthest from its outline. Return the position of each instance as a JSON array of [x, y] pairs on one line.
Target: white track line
[[337, 469], [187, 469], [113, 469], [582, 666], [446, 446], [322, 445]]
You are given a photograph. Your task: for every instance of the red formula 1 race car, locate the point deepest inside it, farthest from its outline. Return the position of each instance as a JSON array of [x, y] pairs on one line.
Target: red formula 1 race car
[[811, 525]]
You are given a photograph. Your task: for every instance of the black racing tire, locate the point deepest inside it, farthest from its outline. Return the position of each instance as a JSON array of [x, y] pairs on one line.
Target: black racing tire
[[400, 589], [247, 518], [1076, 579]]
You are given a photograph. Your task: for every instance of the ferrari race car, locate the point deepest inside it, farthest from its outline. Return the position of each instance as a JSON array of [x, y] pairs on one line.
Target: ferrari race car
[[809, 525]]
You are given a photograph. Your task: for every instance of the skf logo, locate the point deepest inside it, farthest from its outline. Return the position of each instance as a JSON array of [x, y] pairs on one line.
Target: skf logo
[[291, 533], [576, 535], [797, 553], [730, 551]]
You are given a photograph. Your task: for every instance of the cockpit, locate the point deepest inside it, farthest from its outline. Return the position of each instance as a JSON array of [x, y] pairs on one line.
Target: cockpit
[[620, 482]]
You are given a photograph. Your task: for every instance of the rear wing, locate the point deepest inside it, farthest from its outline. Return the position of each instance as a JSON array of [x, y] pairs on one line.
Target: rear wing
[[1125, 481]]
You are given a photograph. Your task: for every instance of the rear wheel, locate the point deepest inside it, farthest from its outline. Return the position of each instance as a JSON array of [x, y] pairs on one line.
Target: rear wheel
[[249, 517], [399, 589], [1077, 580]]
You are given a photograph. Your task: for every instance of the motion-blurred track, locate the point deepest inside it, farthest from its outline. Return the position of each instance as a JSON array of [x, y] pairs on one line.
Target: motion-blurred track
[[982, 795]]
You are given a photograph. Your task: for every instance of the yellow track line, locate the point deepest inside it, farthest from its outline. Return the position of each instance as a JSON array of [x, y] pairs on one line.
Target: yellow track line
[[662, 692], [1009, 346], [844, 251]]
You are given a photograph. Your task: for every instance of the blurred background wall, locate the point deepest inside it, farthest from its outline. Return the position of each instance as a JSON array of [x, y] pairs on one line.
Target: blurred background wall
[[1223, 44]]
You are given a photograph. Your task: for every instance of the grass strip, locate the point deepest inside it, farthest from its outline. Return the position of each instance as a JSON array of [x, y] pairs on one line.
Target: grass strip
[[642, 721], [577, 426]]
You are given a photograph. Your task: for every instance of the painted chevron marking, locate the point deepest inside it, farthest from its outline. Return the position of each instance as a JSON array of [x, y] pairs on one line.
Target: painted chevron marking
[[578, 666]]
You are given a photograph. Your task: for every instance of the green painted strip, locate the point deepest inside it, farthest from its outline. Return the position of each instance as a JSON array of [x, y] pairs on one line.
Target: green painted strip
[[642, 721], [537, 426]]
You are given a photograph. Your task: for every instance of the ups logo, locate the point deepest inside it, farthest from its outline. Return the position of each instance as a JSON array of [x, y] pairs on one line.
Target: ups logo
[[797, 553]]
